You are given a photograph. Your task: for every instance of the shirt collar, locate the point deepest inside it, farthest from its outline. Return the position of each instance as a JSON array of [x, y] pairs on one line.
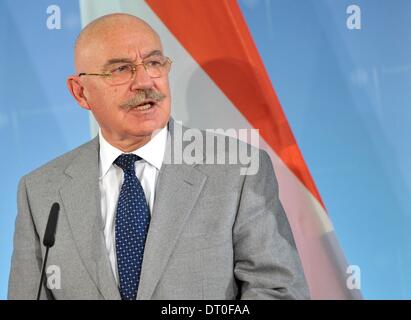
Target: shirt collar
[[152, 152]]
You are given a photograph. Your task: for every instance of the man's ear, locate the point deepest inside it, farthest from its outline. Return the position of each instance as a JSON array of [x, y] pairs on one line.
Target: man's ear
[[77, 91]]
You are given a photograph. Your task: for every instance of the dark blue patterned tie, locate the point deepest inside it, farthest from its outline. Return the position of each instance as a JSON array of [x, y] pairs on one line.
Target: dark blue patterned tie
[[132, 221]]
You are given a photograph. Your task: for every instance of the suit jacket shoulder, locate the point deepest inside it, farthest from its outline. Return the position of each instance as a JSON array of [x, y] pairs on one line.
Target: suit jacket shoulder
[[58, 165]]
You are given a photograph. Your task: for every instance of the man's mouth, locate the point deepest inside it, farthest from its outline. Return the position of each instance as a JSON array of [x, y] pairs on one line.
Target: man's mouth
[[146, 105]]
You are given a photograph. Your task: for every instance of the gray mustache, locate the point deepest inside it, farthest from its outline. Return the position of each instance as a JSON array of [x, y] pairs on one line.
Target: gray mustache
[[141, 96]]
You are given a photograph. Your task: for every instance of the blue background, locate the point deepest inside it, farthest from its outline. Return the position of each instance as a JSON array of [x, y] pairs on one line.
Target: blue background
[[346, 94], [39, 119]]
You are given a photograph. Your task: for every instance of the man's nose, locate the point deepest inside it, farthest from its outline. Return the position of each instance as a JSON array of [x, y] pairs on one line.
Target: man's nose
[[141, 79]]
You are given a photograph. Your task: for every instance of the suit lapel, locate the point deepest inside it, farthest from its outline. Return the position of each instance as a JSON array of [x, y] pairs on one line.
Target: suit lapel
[[177, 190], [81, 202]]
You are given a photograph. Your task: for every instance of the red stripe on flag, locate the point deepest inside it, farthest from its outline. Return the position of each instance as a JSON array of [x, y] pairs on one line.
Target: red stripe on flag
[[217, 37]]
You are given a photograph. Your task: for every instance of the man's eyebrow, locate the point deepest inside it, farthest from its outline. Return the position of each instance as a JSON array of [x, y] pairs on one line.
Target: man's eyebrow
[[128, 60], [117, 60]]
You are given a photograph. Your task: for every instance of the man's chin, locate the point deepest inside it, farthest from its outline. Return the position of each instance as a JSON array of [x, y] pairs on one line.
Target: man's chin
[[146, 128]]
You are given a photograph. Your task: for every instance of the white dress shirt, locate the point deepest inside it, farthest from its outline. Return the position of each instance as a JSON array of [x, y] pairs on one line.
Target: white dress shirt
[[112, 177]]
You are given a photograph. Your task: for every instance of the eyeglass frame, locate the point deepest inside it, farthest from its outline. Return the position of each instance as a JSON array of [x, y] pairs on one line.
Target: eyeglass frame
[[133, 70]]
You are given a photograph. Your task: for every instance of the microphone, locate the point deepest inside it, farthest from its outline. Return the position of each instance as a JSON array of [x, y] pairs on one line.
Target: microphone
[[49, 239]]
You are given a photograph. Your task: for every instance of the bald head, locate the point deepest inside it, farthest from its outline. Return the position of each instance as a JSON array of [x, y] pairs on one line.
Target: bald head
[[103, 32]]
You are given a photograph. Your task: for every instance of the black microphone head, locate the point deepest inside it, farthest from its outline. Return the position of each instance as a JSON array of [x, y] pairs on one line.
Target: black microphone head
[[49, 234]]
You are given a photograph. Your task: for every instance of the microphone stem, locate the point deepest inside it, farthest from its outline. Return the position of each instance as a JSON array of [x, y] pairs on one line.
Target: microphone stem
[[43, 272]]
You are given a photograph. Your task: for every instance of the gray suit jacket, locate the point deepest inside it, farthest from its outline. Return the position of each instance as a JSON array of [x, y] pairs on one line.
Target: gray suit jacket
[[214, 234]]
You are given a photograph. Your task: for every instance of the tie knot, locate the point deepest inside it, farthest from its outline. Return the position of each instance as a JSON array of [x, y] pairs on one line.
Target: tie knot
[[126, 161]]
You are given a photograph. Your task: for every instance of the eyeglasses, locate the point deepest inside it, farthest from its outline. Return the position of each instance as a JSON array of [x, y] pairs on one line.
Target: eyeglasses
[[155, 67]]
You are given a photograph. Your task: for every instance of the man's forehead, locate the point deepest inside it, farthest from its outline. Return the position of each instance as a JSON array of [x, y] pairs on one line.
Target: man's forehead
[[106, 54], [131, 50]]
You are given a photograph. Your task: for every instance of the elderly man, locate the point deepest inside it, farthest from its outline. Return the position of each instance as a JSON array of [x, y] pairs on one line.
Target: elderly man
[[133, 226]]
